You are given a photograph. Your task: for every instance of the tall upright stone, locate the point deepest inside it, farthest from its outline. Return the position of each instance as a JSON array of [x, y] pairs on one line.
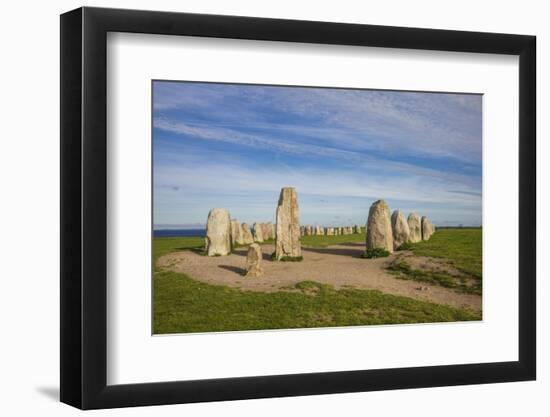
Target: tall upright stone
[[415, 228], [400, 229], [258, 233], [427, 228], [218, 232], [379, 233], [287, 239]]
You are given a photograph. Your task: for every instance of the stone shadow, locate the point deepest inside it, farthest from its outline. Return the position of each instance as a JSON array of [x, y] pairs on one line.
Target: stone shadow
[[353, 253], [236, 269], [352, 244]]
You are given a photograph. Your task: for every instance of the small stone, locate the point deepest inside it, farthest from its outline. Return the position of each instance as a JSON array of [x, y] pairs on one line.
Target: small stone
[[254, 261]]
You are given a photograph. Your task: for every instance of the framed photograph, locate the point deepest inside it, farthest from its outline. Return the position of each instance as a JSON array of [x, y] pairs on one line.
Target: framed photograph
[[257, 208]]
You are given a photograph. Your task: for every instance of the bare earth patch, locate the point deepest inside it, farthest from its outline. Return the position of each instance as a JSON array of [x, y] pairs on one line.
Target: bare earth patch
[[339, 265]]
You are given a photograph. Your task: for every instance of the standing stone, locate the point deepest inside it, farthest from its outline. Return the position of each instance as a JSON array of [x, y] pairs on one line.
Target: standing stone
[[379, 233], [427, 228], [272, 231], [400, 229], [302, 231], [415, 228], [218, 232], [257, 232], [254, 261], [356, 229], [247, 237], [320, 231], [235, 232], [266, 230], [287, 239], [330, 231]]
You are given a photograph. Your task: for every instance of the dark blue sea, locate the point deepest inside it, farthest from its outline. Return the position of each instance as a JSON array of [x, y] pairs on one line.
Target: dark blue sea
[[179, 232]]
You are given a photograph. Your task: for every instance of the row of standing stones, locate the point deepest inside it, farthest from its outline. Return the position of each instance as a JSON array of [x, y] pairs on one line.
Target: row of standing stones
[[222, 233], [384, 231], [390, 232], [329, 231]]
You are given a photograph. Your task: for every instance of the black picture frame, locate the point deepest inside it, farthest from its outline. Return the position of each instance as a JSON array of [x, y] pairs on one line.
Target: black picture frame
[[84, 207]]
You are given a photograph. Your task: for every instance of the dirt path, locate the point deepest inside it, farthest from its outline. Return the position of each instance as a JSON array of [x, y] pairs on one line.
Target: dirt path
[[339, 265]]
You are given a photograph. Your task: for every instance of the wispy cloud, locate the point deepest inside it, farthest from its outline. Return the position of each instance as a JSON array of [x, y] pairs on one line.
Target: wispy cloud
[[439, 125]]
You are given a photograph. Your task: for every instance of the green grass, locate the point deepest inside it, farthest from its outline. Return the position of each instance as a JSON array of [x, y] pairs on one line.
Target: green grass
[[403, 270], [324, 241], [182, 304], [165, 245], [265, 242], [461, 247], [406, 246]]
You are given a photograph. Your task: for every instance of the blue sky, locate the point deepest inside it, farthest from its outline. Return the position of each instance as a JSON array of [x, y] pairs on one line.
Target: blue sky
[[235, 146]]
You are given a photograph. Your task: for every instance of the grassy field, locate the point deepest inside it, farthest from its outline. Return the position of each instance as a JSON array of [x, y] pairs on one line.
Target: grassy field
[[324, 241], [461, 248], [182, 304]]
